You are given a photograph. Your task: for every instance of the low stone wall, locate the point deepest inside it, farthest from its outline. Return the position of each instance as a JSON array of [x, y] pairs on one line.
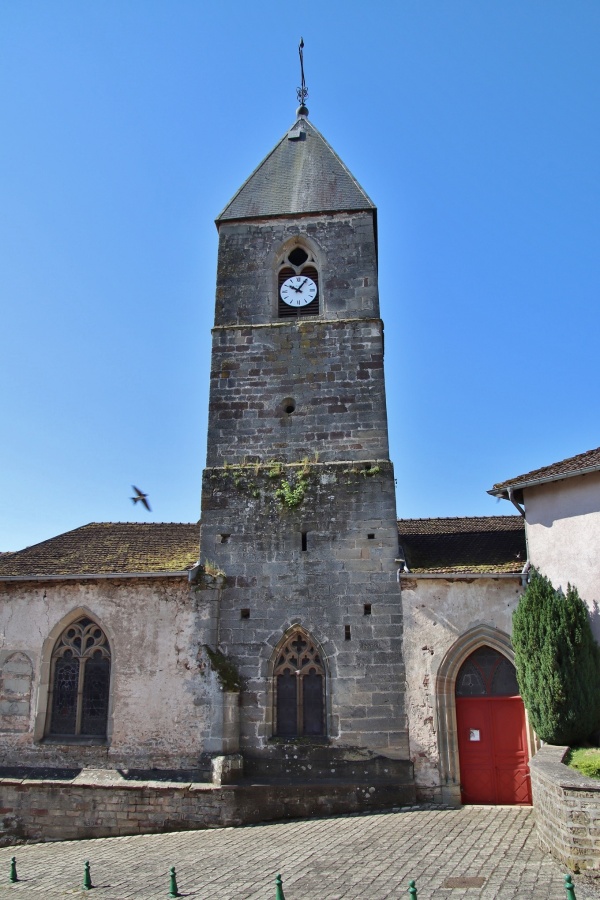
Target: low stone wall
[[567, 810], [104, 803]]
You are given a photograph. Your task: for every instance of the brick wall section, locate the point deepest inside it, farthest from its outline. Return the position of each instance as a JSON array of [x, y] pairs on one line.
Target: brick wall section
[[71, 809], [567, 808]]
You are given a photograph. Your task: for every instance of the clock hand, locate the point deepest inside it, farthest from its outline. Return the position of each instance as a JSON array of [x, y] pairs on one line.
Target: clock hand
[[302, 285]]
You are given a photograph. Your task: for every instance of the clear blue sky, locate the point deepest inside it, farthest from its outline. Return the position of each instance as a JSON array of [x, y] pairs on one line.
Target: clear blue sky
[[128, 124]]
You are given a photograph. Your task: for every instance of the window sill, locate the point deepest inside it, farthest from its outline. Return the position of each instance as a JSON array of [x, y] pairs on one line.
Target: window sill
[[75, 740]]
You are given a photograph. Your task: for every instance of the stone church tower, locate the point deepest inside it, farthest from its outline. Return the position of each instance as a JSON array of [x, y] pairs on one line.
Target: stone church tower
[[298, 501]]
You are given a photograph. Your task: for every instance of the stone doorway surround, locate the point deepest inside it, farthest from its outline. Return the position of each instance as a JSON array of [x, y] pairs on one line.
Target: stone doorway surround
[[445, 686]]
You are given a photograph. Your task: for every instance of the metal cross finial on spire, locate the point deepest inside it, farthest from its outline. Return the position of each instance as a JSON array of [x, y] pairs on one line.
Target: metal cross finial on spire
[[302, 91]]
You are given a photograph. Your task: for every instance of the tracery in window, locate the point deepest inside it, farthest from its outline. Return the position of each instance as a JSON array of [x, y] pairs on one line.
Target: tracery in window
[[80, 682], [300, 265], [299, 688], [486, 672]]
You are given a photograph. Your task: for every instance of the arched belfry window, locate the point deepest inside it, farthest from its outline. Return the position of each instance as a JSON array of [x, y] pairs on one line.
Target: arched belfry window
[[299, 688], [487, 673], [298, 283], [80, 682]]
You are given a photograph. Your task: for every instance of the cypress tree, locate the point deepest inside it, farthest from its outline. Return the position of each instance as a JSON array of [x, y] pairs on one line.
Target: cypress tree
[[557, 661]]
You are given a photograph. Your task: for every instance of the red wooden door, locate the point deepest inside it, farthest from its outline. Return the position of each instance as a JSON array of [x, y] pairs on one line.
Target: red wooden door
[[492, 734], [492, 745]]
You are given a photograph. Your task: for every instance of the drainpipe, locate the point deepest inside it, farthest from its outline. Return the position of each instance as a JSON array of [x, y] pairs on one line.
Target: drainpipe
[[525, 573]]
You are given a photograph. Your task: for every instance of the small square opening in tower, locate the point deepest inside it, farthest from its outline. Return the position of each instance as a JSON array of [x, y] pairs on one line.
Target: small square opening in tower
[[367, 609], [244, 613]]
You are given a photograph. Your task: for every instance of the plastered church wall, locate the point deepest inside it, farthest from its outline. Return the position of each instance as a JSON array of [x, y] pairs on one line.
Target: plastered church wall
[[437, 614], [162, 687]]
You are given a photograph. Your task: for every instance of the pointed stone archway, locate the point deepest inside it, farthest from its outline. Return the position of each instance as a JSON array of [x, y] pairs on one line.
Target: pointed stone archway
[[445, 690]]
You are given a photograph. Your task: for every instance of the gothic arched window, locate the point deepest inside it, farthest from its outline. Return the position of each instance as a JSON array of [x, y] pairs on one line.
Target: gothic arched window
[[299, 688], [486, 673], [298, 268], [80, 681]]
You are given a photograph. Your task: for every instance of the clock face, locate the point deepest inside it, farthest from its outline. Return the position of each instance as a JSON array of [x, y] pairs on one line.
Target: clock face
[[299, 290]]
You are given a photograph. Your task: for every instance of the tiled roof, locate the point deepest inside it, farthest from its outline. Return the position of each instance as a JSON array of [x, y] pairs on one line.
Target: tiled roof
[[566, 468], [478, 544], [301, 174], [107, 548]]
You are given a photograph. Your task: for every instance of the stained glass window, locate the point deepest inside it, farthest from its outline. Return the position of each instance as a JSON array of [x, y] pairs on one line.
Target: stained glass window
[[80, 681]]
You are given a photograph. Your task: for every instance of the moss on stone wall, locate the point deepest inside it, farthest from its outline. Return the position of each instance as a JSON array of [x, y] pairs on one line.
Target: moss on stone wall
[[286, 485], [227, 673]]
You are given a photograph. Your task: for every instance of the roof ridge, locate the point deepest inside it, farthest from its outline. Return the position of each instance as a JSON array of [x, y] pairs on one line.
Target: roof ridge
[[141, 524], [563, 467], [254, 171], [341, 162], [455, 518]]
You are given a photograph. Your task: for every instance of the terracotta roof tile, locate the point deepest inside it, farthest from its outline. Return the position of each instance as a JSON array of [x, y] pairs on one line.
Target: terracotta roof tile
[[478, 544], [107, 548], [574, 465]]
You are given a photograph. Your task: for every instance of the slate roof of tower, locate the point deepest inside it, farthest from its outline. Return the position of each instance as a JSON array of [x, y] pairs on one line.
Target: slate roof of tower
[[581, 464], [477, 544], [109, 547], [298, 176]]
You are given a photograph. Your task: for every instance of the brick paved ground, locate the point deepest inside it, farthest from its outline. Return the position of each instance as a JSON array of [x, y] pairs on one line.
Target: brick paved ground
[[350, 857]]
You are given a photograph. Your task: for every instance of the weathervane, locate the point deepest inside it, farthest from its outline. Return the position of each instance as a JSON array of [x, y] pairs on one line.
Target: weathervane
[[302, 91]]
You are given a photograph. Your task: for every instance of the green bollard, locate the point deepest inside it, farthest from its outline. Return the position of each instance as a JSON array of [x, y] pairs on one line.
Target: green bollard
[[87, 878], [13, 869], [173, 892], [412, 890], [279, 895], [570, 888]]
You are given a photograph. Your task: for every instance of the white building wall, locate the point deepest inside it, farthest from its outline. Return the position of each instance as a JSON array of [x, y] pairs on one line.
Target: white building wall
[[563, 536]]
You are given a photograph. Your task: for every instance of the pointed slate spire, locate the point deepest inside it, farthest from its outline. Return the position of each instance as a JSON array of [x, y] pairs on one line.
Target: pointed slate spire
[[302, 174]]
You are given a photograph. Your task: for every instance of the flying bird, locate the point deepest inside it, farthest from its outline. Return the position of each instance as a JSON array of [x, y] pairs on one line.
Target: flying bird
[[140, 496]]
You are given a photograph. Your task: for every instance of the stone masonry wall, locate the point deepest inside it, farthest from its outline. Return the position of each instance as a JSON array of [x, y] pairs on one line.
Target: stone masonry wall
[[81, 807], [329, 372], [567, 810], [342, 589], [345, 249], [298, 500], [164, 698]]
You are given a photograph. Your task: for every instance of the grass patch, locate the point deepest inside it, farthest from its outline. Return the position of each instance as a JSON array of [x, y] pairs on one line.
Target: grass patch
[[585, 759]]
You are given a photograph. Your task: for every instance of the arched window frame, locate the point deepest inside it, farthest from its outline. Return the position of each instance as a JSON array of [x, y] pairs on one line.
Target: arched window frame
[[286, 268], [310, 661], [46, 681]]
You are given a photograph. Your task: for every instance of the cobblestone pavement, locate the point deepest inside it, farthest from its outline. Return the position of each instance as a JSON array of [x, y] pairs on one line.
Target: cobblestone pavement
[[350, 857]]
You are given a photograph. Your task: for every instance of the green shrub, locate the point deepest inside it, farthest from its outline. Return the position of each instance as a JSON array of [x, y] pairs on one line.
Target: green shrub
[[558, 662], [586, 760]]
